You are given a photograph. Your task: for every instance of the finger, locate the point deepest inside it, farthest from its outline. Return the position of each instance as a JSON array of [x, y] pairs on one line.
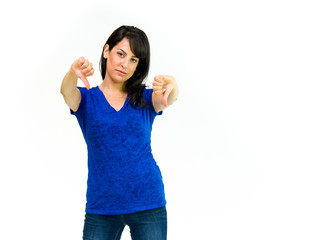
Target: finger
[[156, 88], [158, 79], [157, 92], [156, 83], [165, 99], [85, 64], [90, 73], [86, 70], [87, 67], [81, 61], [167, 77], [85, 81]]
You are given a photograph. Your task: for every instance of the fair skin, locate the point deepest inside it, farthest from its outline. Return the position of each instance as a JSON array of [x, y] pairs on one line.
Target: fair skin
[[121, 64]]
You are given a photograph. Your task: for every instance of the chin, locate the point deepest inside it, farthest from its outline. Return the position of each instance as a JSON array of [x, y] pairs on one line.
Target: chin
[[120, 80]]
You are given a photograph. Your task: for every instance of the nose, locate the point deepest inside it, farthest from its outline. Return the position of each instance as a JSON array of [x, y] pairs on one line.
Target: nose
[[124, 63]]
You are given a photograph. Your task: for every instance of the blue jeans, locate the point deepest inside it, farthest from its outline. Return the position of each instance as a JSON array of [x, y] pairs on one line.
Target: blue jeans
[[145, 225]]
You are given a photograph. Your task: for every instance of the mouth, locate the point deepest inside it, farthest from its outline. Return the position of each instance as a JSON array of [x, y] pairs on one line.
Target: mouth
[[121, 72]]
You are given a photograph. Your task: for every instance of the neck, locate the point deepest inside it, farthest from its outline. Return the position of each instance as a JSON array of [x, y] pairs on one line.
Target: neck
[[111, 87]]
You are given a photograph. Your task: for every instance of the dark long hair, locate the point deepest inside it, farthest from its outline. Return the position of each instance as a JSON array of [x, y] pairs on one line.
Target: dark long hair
[[139, 45]]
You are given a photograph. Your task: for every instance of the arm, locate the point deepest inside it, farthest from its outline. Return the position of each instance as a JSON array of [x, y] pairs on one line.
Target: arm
[[165, 92], [71, 94], [81, 68]]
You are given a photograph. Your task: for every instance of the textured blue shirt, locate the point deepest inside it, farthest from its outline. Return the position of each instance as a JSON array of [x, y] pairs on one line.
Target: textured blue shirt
[[123, 176]]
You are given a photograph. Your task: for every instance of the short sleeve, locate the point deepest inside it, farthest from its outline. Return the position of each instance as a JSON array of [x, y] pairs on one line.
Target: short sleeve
[[82, 103], [148, 93]]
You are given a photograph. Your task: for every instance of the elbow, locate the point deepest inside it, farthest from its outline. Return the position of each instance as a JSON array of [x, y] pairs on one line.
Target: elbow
[[62, 92]]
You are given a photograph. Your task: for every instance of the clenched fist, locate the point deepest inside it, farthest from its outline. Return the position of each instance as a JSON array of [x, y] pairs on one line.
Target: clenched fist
[[163, 86], [83, 69]]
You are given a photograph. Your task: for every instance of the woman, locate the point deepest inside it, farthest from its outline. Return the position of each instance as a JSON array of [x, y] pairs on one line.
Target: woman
[[125, 184]]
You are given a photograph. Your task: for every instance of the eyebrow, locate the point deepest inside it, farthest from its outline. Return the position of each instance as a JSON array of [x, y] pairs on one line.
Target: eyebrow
[[126, 53]]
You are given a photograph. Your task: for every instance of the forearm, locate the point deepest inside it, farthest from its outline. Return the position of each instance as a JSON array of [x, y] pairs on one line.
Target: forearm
[[69, 83]]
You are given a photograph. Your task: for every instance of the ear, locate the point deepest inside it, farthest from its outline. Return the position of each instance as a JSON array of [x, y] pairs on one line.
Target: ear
[[106, 51]]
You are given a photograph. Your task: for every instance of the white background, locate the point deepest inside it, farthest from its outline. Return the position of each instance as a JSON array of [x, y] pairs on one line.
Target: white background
[[243, 152]]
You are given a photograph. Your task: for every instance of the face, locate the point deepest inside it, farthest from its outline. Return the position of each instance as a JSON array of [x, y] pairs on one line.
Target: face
[[121, 62]]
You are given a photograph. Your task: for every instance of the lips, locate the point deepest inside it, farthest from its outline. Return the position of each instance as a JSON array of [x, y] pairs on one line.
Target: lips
[[121, 72]]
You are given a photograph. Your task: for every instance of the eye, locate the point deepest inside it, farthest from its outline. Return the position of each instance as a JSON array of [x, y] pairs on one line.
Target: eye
[[120, 54], [134, 60]]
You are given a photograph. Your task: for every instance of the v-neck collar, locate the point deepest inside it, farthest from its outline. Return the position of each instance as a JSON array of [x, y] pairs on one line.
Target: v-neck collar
[[110, 106]]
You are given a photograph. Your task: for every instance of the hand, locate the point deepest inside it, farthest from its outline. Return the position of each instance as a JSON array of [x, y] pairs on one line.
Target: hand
[[83, 69], [163, 84]]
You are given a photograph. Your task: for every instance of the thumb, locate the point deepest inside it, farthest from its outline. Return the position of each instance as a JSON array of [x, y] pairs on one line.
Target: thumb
[[165, 96], [85, 81], [76, 66]]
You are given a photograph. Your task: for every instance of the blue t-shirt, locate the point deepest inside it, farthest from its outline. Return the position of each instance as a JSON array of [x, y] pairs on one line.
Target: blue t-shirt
[[123, 176]]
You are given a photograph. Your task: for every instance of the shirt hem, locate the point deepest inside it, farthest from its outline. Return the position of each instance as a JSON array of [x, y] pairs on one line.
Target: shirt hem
[[125, 211]]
